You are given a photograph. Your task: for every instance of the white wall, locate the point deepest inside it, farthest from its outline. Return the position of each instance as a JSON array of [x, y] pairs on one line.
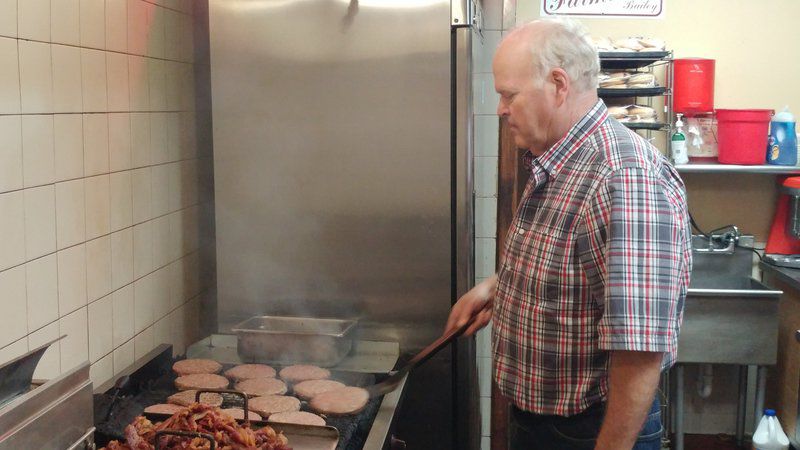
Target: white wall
[[99, 231], [486, 141]]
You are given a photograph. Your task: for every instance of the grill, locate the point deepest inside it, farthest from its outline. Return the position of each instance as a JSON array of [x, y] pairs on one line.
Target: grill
[[151, 381]]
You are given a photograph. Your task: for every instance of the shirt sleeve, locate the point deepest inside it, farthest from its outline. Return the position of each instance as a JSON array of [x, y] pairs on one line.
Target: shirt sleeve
[[645, 273]]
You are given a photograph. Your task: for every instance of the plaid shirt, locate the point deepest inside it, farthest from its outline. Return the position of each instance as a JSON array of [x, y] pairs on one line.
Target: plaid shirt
[[597, 258]]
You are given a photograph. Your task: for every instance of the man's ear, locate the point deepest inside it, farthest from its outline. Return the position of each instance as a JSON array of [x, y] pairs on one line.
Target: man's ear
[[561, 83]]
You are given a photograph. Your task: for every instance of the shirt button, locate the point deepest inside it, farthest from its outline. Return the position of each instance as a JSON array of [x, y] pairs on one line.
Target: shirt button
[[521, 231]]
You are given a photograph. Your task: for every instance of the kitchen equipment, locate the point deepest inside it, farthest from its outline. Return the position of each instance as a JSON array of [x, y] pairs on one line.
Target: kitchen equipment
[[783, 244], [343, 179], [742, 135], [56, 415], [782, 146], [294, 340], [391, 383], [16, 376], [693, 85], [152, 381]]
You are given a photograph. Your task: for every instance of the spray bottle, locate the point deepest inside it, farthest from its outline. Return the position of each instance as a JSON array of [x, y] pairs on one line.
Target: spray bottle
[[678, 144]]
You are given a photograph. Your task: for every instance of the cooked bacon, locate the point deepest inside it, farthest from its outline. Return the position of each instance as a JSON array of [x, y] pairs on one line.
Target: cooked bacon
[[229, 435]]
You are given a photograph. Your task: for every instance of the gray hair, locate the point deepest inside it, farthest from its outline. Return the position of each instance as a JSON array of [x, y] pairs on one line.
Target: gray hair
[[565, 43]]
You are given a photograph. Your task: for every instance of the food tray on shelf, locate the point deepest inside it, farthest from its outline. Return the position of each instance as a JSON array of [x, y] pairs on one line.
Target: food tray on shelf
[[632, 92], [646, 125], [630, 60]]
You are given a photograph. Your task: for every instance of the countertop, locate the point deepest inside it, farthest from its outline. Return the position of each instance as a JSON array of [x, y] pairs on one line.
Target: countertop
[[785, 274]]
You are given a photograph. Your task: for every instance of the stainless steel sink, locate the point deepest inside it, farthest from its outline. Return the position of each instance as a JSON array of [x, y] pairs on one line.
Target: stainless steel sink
[[729, 318]]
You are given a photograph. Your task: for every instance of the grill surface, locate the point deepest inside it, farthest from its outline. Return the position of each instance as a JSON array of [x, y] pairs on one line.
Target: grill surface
[[154, 382]]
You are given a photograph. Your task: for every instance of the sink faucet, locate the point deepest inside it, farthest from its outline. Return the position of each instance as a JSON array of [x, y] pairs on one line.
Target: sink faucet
[[726, 237]]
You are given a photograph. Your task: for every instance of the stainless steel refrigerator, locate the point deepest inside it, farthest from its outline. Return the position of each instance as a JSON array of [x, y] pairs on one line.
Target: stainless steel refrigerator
[[343, 179]]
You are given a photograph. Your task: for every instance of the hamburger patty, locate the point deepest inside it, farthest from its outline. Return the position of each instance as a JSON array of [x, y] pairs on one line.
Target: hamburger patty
[[238, 414], [306, 390], [186, 398], [192, 366], [298, 417], [248, 371], [301, 372], [256, 387], [272, 404], [163, 408], [340, 402], [201, 381]]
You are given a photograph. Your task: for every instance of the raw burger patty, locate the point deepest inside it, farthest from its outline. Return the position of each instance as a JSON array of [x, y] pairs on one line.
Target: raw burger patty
[[201, 381], [306, 390], [186, 398], [238, 413], [271, 404], [298, 417], [340, 402], [163, 408], [248, 371], [257, 387], [192, 366], [298, 373]]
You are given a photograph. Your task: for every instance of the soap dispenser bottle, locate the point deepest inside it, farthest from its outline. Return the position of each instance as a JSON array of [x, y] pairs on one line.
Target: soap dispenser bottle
[[782, 146], [678, 144]]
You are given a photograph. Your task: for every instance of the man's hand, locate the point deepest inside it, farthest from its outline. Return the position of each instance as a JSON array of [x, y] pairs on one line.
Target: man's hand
[[633, 380], [477, 301]]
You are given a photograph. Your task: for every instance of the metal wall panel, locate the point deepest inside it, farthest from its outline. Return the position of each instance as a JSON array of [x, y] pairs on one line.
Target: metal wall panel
[[332, 160]]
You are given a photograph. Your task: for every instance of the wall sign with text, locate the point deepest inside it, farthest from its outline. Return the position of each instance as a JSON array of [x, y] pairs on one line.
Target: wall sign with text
[[604, 8]]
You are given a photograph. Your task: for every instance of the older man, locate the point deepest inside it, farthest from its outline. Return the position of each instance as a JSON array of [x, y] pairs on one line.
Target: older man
[[588, 298]]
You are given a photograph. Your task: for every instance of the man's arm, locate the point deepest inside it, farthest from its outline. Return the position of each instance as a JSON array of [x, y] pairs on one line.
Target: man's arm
[[476, 302], [633, 379]]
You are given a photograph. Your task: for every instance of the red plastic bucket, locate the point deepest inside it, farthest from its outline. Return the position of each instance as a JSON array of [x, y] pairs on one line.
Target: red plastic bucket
[[742, 135], [694, 86]]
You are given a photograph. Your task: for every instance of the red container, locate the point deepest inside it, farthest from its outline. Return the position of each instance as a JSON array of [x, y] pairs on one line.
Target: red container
[[742, 135], [693, 86]]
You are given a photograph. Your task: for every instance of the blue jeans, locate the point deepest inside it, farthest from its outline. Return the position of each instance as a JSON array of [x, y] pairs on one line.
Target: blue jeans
[[537, 432]]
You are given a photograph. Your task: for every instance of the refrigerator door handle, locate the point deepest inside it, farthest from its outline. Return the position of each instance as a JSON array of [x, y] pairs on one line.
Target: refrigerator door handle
[[464, 13]]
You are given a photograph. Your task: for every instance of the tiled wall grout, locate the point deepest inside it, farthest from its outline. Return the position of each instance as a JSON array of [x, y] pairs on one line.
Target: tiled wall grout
[[66, 180], [55, 252], [92, 221]]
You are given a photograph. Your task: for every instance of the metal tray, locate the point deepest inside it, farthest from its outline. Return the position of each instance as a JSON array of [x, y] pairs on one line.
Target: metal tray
[[283, 340]]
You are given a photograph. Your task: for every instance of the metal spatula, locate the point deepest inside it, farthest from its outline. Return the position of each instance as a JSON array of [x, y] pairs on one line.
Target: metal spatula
[[391, 383]]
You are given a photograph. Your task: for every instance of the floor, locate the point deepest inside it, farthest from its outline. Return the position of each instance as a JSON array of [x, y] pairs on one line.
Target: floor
[[712, 442]]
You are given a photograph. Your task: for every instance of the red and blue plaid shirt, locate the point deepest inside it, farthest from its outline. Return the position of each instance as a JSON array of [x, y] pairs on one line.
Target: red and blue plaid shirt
[[597, 258]]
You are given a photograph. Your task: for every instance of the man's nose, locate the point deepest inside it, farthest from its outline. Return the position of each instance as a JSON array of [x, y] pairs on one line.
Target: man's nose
[[502, 109]]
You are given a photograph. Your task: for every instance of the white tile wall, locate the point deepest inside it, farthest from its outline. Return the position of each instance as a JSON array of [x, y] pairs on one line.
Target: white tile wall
[[10, 150], [95, 144], [119, 141], [98, 206], [38, 154], [123, 310], [34, 19], [9, 77], [486, 143], [67, 87], [14, 320], [12, 229], [42, 291], [66, 19], [70, 213], [40, 221], [68, 137], [96, 136], [36, 76], [8, 18]]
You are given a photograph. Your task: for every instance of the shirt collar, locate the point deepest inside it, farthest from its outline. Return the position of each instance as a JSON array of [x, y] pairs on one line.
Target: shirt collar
[[554, 159]]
